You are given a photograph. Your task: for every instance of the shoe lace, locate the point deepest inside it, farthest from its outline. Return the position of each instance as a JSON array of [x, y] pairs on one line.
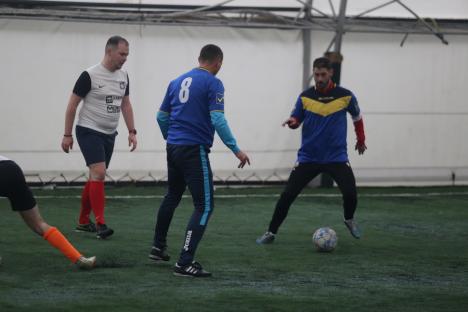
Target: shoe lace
[[196, 266]]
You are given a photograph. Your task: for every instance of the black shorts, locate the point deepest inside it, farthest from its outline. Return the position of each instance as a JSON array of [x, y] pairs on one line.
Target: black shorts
[[13, 186], [96, 146]]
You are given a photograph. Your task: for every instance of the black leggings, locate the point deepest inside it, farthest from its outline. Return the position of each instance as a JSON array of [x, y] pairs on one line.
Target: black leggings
[[302, 174]]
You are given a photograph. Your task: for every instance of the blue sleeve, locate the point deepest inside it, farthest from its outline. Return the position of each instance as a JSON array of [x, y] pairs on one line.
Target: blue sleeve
[[216, 95], [353, 108], [163, 122], [298, 111], [222, 128]]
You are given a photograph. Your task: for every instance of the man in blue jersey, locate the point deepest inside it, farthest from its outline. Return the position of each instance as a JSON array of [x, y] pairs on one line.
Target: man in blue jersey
[[192, 110], [322, 111]]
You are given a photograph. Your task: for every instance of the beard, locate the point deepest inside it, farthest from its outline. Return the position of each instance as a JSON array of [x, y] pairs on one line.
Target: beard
[[321, 85]]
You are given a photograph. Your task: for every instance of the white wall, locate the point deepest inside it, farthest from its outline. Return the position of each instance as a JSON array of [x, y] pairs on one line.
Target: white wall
[[416, 98], [42, 59], [412, 97]]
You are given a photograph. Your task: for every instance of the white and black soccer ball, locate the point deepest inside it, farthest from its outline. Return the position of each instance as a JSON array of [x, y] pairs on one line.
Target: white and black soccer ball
[[325, 239]]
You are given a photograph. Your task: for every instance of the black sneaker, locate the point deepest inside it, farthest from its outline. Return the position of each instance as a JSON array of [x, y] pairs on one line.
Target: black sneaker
[[103, 231], [158, 254], [191, 270], [90, 227]]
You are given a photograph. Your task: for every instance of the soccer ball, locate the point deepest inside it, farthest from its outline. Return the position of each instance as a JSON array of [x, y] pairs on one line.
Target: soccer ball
[[325, 239]]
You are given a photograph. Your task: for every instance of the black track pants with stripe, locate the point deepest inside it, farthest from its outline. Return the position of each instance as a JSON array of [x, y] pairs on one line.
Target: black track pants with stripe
[[187, 165], [302, 174]]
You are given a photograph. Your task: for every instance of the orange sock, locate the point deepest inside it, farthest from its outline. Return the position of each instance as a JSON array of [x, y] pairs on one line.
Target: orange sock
[[97, 198], [85, 205], [56, 239]]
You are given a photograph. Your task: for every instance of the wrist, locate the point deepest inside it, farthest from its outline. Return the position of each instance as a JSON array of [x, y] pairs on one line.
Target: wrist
[[235, 149], [132, 131], [68, 135]]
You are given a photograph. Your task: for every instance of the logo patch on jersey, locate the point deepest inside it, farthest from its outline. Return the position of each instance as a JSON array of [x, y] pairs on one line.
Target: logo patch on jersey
[[112, 109], [110, 98], [325, 109], [122, 85], [219, 98]]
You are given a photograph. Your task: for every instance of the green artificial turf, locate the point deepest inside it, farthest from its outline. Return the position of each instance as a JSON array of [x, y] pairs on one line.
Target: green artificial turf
[[413, 255]]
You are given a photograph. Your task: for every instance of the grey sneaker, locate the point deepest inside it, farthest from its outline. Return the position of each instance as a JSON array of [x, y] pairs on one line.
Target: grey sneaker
[[353, 228], [86, 263], [266, 238]]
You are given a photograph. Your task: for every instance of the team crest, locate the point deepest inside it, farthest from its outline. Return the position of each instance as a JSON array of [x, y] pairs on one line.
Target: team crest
[[122, 85], [219, 98]]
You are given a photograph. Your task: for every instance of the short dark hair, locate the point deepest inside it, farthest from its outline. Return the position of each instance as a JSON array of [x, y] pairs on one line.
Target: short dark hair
[[322, 62], [114, 41], [210, 53]]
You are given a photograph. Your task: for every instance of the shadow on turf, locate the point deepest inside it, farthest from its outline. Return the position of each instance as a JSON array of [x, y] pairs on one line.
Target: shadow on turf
[[113, 263]]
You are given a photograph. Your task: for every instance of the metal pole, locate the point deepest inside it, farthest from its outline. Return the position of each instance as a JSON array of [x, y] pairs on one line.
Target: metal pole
[[437, 34], [340, 26], [306, 58], [306, 47], [335, 58]]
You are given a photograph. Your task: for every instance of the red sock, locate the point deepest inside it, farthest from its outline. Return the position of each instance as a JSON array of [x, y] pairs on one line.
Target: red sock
[[85, 205], [97, 200]]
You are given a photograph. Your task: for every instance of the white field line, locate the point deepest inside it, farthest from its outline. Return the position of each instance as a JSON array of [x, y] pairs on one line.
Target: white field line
[[406, 195]]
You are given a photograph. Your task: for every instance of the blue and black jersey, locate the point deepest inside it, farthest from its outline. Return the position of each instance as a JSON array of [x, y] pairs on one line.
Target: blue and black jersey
[[324, 126]]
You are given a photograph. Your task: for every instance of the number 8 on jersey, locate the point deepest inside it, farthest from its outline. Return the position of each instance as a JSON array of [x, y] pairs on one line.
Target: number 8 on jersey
[[184, 90]]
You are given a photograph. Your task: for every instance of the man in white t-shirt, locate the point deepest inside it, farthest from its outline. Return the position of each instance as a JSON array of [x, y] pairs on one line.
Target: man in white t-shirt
[[105, 92]]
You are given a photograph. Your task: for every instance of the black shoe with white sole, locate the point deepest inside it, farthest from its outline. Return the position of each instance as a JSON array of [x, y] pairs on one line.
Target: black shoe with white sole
[[103, 231], [89, 227], [193, 269], [158, 254]]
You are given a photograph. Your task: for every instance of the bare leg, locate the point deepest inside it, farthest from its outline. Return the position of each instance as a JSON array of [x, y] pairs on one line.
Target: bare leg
[[97, 171], [34, 220]]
